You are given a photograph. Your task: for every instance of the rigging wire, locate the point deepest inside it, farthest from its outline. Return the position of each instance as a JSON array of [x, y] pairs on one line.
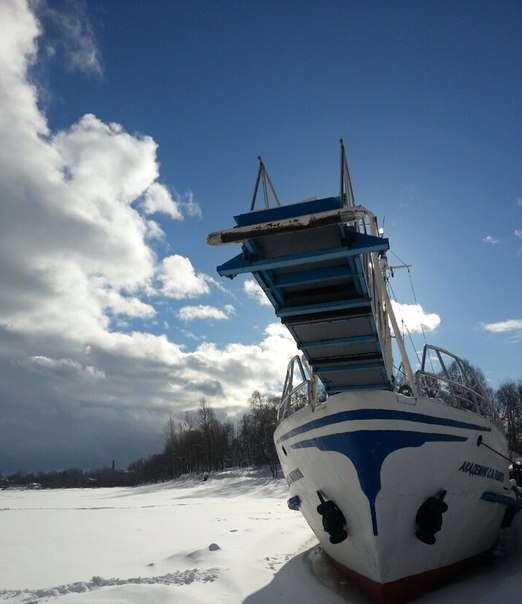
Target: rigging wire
[[417, 306], [406, 331]]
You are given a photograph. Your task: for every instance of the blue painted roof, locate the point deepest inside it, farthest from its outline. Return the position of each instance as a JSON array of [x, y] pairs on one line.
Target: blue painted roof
[[291, 211]]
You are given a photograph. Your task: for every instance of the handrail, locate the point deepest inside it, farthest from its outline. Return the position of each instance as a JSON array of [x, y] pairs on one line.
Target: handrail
[[290, 402], [455, 384]]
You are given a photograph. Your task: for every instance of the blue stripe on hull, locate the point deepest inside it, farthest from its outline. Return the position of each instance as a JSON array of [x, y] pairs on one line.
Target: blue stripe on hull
[[367, 450], [376, 414]]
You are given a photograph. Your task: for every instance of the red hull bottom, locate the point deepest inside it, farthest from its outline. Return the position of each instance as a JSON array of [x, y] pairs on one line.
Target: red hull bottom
[[408, 587]]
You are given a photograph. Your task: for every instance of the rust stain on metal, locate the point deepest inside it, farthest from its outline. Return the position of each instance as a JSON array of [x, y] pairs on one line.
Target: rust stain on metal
[[310, 221]]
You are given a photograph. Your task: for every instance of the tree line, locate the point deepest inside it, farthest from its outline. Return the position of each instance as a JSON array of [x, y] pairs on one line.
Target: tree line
[[199, 443]]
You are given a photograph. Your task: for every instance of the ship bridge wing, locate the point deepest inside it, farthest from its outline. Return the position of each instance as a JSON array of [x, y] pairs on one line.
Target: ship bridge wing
[[312, 261]]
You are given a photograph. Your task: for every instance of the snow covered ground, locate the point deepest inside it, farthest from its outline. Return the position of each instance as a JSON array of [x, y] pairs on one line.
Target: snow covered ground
[[228, 539]]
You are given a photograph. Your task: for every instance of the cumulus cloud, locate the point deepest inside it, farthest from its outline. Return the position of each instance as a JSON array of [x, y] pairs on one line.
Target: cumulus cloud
[[201, 311], [71, 234], [414, 318], [80, 382], [245, 365], [158, 199], [66, 368], [180, 280], [491, 240], [154, 231], [253, 290], [518, 233]]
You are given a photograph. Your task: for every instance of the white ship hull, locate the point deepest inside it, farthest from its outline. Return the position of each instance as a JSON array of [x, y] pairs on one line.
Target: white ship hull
[[378, 456]]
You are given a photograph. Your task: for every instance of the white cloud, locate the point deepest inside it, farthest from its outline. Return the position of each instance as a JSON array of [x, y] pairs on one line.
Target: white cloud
[[75, 262], [158, 199], [229, 309], [491, 240], [76, 266], [179, 279], [414, 318], [119, 304], [202, 311], [67, 367], [70, 235], [518, 233], [241, 369], [106, 163], [74, 41], [190, 206], [154, 231], [253, 290], [519, 202], [504, 326]]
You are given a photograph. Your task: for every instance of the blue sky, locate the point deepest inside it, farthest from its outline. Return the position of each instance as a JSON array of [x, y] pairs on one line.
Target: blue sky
[[131, 130]]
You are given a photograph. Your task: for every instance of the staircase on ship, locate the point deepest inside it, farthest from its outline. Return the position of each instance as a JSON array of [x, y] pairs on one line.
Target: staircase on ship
[[313, 261]]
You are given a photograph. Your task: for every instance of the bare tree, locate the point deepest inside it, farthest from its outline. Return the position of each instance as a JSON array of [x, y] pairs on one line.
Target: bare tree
[[508, 399], [261, 423]]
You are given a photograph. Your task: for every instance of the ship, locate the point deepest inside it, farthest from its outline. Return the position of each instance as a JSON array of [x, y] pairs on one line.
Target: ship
[[400, 470]]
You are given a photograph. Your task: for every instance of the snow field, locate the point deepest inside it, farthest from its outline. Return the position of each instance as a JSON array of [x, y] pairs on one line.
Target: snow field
[[229, 539]]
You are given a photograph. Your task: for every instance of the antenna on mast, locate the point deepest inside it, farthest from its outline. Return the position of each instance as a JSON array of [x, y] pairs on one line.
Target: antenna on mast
[[346, 191], [262, 176]]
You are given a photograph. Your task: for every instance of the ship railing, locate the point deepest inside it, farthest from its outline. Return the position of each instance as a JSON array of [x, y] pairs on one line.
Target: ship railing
[[379, 313], [375, 269], [445, 377], [299, 389]]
